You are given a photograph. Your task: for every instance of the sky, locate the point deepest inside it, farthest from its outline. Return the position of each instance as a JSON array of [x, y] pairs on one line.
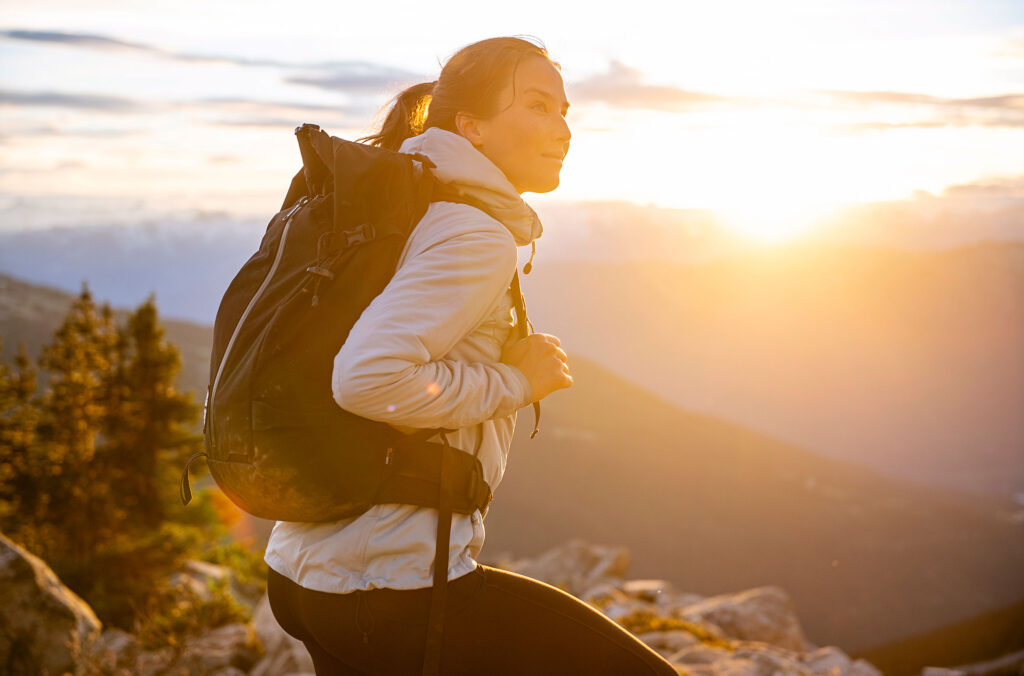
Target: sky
[[771, 114]]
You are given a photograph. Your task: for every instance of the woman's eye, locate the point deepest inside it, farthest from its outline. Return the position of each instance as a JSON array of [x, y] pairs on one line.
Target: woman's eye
[[540, 106]]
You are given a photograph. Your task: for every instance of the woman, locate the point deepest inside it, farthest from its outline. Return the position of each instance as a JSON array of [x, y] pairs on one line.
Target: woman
[[437, 350]]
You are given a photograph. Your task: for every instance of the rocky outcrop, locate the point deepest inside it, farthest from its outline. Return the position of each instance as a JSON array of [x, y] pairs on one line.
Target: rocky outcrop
[[749, 633], [753, 632], [575, 567], [43, 624]]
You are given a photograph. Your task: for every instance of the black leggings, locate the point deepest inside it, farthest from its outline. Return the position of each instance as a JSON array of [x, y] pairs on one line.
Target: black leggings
[[496, 622]]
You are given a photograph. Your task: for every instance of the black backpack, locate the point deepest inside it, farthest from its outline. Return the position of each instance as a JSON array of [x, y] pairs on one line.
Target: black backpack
[[277, 444]]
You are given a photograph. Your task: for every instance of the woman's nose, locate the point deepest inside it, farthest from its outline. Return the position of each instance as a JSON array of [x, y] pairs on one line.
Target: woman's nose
[[563, 134]]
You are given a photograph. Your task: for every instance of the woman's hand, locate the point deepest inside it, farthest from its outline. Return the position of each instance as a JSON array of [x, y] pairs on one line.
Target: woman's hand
[[541, 360]]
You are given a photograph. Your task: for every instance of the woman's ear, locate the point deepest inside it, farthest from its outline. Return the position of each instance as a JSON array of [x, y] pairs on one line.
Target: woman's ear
[[470, 128]]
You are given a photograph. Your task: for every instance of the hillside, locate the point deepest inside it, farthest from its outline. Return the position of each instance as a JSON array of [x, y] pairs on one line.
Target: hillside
[[31, 313], [713, 506], [906, 362]]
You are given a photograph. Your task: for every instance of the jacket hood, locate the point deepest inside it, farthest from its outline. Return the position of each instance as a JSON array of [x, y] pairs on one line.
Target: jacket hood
[[461, 165]]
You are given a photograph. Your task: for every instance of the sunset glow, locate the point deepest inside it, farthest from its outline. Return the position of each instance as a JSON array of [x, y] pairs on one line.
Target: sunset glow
[[770, 122]]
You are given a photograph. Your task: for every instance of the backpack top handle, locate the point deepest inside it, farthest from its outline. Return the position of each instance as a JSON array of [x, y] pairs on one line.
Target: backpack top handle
[[319, 174]]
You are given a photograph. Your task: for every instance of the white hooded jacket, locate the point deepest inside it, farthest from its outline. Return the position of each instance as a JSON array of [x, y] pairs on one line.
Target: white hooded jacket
[[424, 354]]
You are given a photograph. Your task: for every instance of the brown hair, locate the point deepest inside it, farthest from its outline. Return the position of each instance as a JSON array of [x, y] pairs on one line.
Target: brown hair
[[470, 82]]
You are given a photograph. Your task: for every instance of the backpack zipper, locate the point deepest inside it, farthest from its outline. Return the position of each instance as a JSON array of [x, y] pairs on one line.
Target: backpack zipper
[[256, 296]]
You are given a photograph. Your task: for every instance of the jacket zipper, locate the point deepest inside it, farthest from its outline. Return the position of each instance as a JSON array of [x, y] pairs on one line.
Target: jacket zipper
[[256, 296]]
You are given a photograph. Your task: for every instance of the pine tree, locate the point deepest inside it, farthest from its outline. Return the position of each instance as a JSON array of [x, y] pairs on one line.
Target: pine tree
[[89, 468], [19, 420], [74, 495], [155, 437]]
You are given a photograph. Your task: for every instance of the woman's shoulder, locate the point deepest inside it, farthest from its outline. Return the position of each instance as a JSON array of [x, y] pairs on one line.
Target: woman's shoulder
[[447, 220]]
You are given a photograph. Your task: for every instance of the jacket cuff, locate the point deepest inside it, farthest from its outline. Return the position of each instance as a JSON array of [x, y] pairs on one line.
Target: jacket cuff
[[527, 391]]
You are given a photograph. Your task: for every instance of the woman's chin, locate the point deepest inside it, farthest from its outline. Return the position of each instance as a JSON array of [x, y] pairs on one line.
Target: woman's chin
[[544, 185]]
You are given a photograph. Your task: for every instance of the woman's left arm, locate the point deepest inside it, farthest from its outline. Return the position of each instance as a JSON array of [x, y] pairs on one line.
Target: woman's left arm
[[394, 366]]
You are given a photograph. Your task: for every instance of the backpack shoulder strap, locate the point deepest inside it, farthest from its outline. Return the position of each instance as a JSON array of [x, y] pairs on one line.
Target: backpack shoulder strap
[[444, 192], [525, 328]]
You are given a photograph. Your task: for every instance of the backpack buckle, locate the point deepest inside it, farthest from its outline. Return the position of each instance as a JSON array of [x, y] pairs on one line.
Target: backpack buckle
[[359, 234]]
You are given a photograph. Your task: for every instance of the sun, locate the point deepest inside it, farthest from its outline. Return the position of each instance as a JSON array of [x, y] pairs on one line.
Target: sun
[[774, 220]]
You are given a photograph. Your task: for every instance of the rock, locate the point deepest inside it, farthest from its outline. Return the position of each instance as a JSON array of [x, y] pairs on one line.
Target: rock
[[862, 667], [669, 642], [616, 610], [697, 670], [233, 645], [228, 671], [831, 661], [647, 590], [828, 660], [699, 654], [113, 652], [196, 575], [228, 650], [742, 666], [284, 654], [763, 614], [43, 624], [603, 593], [771, 659], [576, 566], [155, 662]]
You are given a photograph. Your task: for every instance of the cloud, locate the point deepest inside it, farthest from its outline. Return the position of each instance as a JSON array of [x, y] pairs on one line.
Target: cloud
[[1003, 101], [1004, 110], [253, 112], [357, 77], [623, 87], [264, 106], [97, 102], [75, 39], [999, 188], [269, 121], [93, 41], [224, 158]]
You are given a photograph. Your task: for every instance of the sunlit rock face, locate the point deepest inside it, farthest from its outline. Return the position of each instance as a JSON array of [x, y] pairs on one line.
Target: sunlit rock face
[[43, 624], [751, 632]]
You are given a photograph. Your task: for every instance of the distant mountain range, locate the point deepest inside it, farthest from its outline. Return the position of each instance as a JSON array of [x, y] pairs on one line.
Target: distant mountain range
[[711, 505], [907, 361]]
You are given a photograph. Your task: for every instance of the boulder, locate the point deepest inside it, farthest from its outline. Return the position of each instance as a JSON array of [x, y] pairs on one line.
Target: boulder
[[699, 654], [762, 614], [43, 624], [669, 642], [196, 576], [284, 654], [576, 566], [226, 651], [113, 652], [832, 661]]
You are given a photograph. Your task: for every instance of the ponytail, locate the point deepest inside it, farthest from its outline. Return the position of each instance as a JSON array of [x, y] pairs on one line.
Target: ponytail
[[405, 117], [470, 82]]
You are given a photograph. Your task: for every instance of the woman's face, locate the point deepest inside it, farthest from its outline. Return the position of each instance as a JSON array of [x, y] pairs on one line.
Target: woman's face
[[529, 138]]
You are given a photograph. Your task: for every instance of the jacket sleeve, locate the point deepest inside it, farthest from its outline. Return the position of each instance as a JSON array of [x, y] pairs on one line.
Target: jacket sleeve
[[393, 366]]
